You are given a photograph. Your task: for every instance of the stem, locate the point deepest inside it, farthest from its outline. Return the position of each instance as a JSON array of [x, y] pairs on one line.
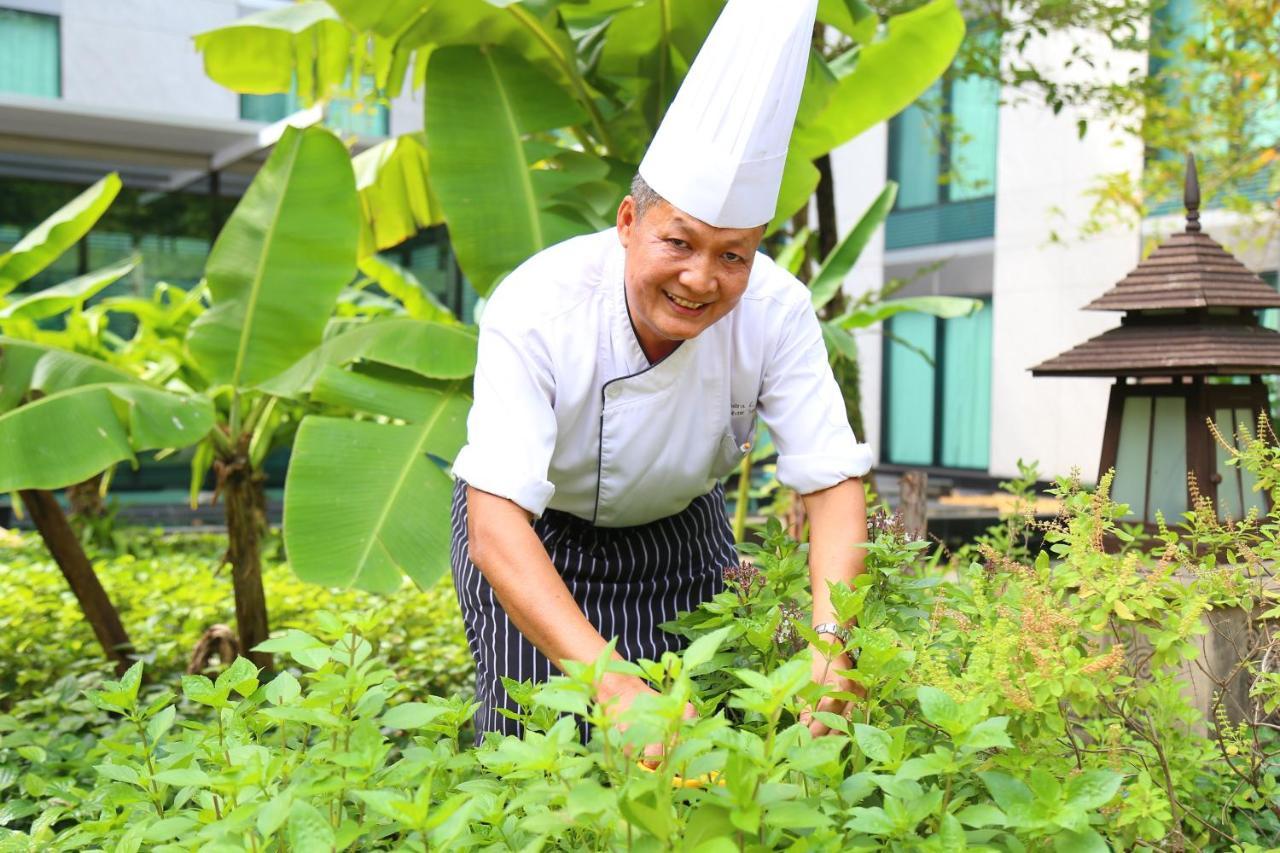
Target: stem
[[151, 768], [743, 496]]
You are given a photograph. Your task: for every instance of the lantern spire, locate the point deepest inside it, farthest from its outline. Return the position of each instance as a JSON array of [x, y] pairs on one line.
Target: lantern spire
[[1191, 196]]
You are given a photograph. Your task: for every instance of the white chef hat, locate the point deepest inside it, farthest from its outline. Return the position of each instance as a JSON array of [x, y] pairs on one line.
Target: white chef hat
[[720, 150]]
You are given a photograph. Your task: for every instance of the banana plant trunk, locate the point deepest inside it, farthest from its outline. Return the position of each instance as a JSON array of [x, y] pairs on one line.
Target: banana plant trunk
[[69, 554], [240, 488]]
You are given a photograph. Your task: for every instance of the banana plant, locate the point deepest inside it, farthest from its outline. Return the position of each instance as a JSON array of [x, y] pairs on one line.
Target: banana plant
[[28, 368], [537, 112]]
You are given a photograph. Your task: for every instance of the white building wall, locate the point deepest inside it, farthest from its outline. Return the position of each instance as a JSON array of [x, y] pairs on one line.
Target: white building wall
[[859, 169], [138, 55], [1044, 171]]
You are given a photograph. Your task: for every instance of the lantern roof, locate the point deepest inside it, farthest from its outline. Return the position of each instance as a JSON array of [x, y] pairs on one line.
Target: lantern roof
[[1190, 310], [1189, 270], [1185, 349]]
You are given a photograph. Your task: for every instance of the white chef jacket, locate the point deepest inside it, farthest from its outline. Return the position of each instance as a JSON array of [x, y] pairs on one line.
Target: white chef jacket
[[569, 413]]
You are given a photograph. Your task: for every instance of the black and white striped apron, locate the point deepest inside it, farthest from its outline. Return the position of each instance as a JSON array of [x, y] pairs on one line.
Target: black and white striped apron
[[627, 580]]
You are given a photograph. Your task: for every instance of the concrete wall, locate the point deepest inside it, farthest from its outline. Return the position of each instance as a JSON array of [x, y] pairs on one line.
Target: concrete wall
[[1040, 284], [137, 55]]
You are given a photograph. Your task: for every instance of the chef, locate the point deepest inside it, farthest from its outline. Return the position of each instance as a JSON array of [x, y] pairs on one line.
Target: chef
[[619, 379]]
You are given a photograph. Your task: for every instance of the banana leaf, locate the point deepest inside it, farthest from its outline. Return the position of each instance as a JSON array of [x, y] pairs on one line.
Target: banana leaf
[[481, 105], [365, 504], [70, 295], [69, 436], [433, 350], [43, 245], [279, 264]]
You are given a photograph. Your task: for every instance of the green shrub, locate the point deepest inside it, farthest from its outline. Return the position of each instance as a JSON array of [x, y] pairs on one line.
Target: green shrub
[[1010, 702], [170, 588]]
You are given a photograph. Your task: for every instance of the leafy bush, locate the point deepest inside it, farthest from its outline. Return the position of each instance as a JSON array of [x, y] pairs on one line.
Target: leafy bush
[[1006, 704], [170, 588]]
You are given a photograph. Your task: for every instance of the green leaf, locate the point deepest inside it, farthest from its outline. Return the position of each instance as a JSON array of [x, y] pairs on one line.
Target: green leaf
[[280, 262], [946, 307], [241, 676], [792, 256], [939, 708], [403, 285], [118, 773], [67, 437], [27, 366], [199, 689], [980, 815], [183, 777], [828, 280], [170, 828], [299, 645], [480, 106], [33, 753], [1080, 842], [881, 85], [987, 734], [69, 295], [1008, 792], [703, 649], [874, 743], [160, 724], [411, 715], [1092, 789], [852, 17], [266, 52], [433, 350], [48, 240], [282, 689], [872, 821], [395, 197], [364, 504]]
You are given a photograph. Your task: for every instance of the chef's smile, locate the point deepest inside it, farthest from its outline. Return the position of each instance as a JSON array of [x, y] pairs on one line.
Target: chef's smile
[[685, 306]]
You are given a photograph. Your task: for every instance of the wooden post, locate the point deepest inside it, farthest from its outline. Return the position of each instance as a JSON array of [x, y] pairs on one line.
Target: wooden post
[[67, 552], [914, 503]]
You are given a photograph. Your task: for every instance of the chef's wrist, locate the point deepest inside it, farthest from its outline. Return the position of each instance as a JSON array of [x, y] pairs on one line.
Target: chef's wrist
[[615, 684]]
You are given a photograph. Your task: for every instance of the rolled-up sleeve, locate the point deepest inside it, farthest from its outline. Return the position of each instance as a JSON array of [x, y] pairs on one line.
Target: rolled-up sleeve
[[511, 430], [804, 410]]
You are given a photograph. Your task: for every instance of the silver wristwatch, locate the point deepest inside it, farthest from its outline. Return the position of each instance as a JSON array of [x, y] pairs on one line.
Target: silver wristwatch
[[835, 629]]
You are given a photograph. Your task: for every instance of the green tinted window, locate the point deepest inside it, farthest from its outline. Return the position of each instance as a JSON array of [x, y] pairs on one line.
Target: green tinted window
[[942, 153], [344, 114], [966, 391], [914, 158], [29, 54], [910, 395], [927, 423]]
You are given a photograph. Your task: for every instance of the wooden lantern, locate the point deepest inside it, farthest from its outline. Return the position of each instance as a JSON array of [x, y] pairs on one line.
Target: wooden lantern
[[1189, 349]]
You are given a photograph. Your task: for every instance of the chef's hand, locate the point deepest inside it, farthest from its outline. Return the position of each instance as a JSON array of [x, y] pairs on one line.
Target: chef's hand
[[828, 674], [617, 692]]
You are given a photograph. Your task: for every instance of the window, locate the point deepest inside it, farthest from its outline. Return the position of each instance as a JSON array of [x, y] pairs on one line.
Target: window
[[358, 116], [937, 397], [30, 55], [942, 153]]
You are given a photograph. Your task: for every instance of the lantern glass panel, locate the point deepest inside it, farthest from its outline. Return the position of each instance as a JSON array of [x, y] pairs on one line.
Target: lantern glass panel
[[1169, 459], [1130, 483]]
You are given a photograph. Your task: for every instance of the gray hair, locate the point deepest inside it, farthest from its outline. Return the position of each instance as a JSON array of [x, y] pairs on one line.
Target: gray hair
[[643, 195]]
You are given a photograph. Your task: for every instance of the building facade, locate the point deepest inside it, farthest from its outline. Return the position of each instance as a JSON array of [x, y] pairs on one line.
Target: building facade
[[1007, 227]]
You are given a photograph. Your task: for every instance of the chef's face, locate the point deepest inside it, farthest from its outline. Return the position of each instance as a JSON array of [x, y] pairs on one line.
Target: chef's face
[[682, 274]]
